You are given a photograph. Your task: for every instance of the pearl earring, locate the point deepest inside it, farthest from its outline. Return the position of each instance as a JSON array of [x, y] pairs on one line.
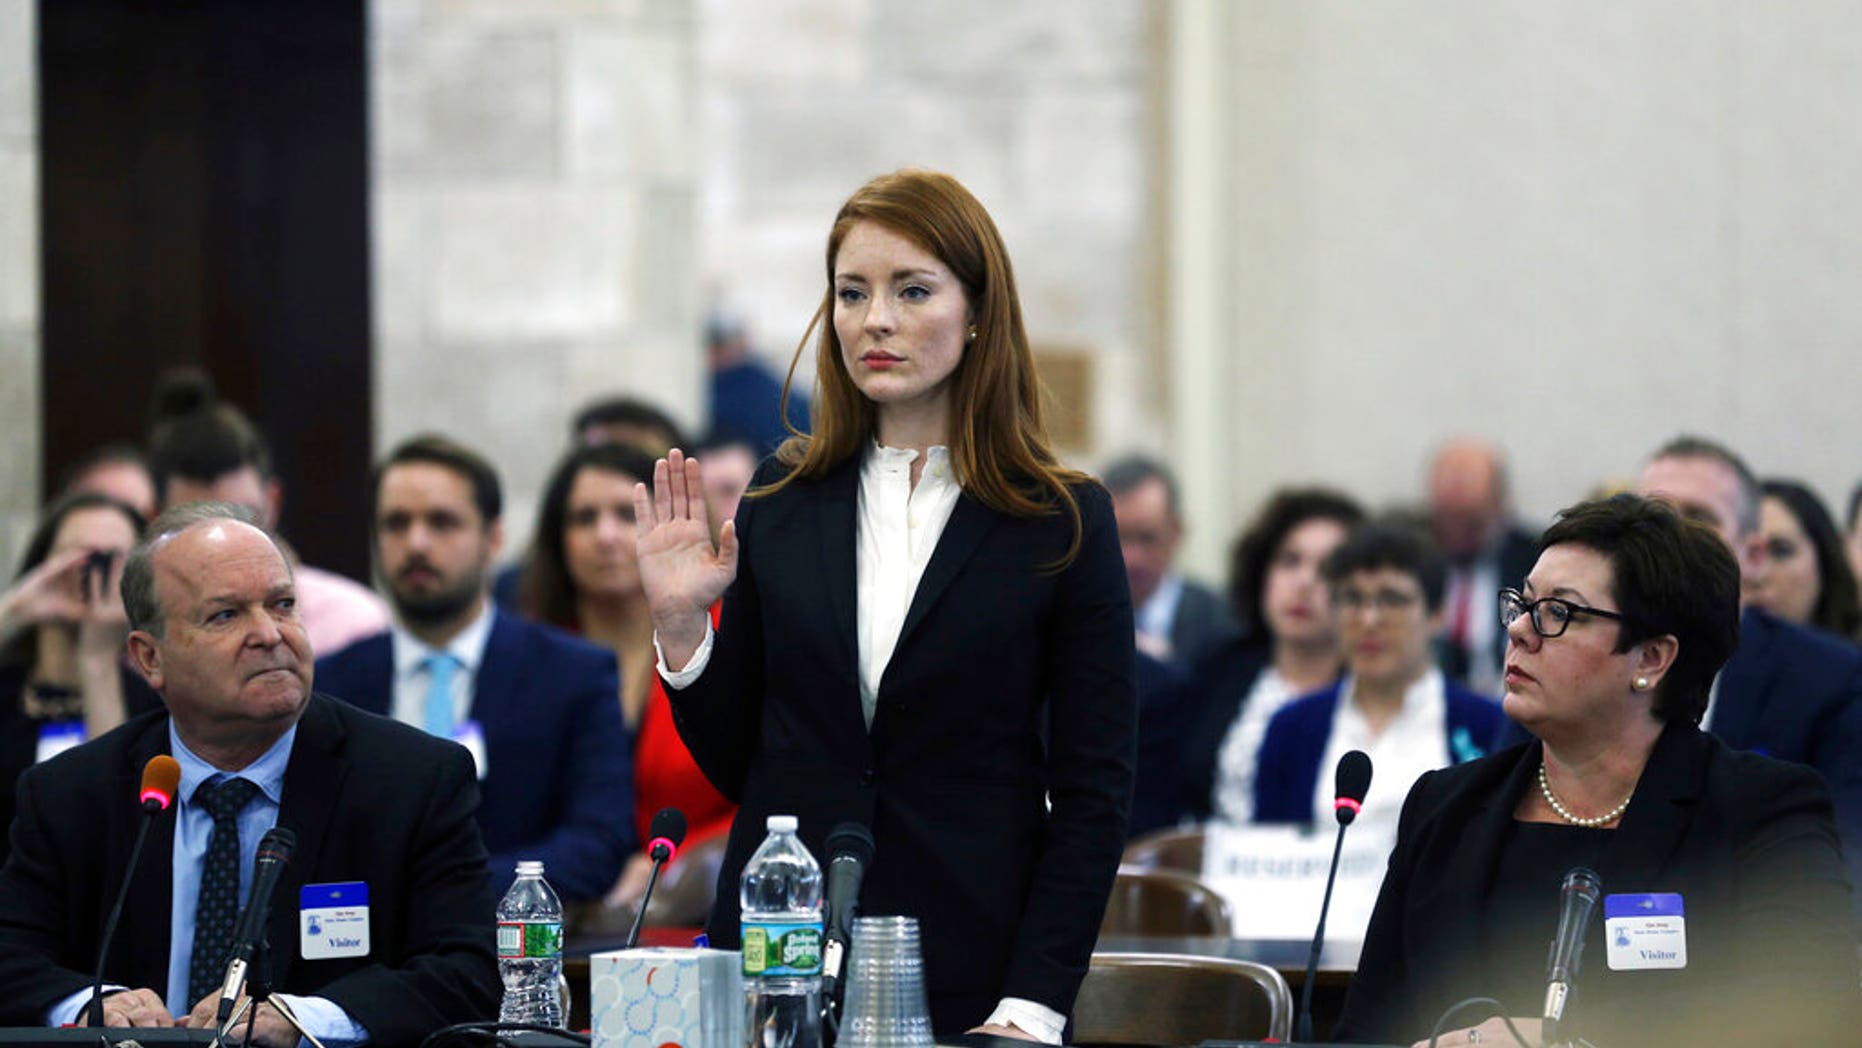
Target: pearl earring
[[972, 337], [1640, 684]]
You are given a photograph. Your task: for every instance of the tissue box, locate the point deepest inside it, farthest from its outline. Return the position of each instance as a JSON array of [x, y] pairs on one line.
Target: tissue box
[[661, 997]]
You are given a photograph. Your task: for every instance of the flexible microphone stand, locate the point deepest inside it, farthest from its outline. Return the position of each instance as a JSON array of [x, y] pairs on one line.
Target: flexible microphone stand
[[259, 991]]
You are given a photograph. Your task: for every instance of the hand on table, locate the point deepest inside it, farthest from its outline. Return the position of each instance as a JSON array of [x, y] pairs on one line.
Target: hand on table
[[1492, 1032], [1004, 1031], [269, 1030], [142, 1007]]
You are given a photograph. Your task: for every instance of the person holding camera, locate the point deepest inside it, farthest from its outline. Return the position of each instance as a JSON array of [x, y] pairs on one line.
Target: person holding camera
[[62, 632]]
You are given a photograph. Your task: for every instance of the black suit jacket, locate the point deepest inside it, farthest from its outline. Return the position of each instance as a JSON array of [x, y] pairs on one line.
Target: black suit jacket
[[1746, 840], [559, 785], [1796, 694], [1202, 622], [370, 800], [1011, 685]]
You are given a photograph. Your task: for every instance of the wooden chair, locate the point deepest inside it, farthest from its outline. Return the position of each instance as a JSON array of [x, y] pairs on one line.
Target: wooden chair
[[1171, 849], [1164, 902], [1171, 999]]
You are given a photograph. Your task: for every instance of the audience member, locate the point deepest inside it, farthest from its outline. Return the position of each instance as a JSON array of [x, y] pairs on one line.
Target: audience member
[[537, 707], [215, 631], [747, 396], [1290, 648], [627, 420], [202, 449], [1470, 515], [729, 467], [581, 575], [1178, 620], [63, 676], [1614, 643], [1787, 691], [1806, 577], [1386, 587], [1853, 539], [118, 470]]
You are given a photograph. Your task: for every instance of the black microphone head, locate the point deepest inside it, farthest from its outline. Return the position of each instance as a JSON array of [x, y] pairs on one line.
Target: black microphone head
[[1353, 781], [278, 843], [668, 823], [853, 840], [1583, 882]]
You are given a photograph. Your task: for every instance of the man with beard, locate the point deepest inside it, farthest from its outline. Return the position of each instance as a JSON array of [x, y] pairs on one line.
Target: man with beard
[[539, 709]]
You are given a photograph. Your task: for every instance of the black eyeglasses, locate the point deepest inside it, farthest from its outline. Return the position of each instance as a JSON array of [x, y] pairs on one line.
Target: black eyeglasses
[[1550, 615]]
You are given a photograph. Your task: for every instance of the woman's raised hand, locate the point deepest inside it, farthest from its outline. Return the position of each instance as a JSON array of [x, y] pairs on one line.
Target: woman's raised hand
[[682, 572]]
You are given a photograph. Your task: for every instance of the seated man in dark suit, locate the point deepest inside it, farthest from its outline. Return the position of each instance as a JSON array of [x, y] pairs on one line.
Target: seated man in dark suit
[[215, 631], [1471, 519], [1177, 619], [539, 709], [1788, 692]]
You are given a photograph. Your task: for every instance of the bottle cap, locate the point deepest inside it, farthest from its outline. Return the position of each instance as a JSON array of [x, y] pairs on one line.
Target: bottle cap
[[529, 868], [781, 824]]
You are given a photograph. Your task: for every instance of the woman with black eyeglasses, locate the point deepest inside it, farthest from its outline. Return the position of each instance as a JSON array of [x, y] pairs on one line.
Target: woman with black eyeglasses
[[1724, 915]]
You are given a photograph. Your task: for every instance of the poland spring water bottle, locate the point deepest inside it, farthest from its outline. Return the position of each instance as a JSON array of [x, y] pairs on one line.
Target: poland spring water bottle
[[530, 950], [781, 899]]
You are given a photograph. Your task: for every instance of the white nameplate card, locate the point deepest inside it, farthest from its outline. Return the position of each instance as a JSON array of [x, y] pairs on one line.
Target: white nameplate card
[[1645, 932], [334, 920], [1274, 877], [55, 737]]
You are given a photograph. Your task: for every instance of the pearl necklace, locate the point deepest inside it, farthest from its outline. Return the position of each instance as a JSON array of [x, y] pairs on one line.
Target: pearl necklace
[[1545, 787]]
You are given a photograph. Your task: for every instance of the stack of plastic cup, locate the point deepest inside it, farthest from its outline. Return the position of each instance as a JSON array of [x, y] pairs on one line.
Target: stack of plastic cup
[[886, 987]]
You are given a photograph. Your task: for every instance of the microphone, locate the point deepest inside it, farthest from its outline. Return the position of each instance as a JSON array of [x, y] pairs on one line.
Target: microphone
[[1351, 782], [273, 854], [667, 832], [161, 777], [850, 848], [1577, 901]]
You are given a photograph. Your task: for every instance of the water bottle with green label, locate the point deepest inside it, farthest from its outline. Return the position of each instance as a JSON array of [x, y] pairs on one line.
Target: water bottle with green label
[[781, 900], [530, 950]]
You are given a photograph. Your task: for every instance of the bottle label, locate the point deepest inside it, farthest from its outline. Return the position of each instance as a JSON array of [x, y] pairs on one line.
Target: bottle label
[[782, 948], [517, 939]]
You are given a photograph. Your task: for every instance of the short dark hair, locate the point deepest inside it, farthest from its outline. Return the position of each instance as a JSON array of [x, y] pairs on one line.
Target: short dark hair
[[1669, 576], [1126, 474], [138, 586], [1837, 608], [628, 411], [1254, 550], [22, 649], [1400, 547], [434, 449], [547, 593], [1690, 446], [116, 452]]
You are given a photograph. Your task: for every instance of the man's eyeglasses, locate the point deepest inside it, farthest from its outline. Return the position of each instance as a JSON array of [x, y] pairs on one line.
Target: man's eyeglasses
[[1550, 615]]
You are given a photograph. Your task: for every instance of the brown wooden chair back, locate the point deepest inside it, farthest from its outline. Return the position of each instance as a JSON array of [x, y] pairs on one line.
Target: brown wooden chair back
[[1170, 999], [1164, 902], [1172, 849]]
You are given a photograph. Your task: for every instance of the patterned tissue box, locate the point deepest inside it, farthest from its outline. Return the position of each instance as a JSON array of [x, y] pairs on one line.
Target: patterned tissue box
[[661, 997]]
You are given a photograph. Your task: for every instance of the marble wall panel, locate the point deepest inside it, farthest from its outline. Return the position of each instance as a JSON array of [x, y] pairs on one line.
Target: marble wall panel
[[457, 103]]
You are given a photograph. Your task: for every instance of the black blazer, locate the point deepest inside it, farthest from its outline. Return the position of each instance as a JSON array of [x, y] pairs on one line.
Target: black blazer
[[369, 800], [1011, 685], [559, 786], [1746, 840]]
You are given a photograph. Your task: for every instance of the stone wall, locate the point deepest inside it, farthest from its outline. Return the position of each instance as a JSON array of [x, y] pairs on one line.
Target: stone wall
[[534, 187], [19, 278], [1040, 108]]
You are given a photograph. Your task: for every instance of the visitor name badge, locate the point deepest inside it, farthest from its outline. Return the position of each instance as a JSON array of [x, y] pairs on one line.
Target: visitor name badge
[[1645, 932], [333, 920], [472, 737]]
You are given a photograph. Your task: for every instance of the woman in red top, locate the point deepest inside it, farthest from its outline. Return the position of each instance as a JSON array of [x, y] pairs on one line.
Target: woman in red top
[[581, 575]]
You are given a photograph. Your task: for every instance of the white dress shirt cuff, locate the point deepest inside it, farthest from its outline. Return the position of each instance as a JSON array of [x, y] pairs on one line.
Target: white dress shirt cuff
[[326, 1019], [1044, 1023], [65, 1012], [678, 680]]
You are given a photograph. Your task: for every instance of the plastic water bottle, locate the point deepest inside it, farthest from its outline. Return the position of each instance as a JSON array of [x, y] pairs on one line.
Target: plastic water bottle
[[530, 950], [781, 900]]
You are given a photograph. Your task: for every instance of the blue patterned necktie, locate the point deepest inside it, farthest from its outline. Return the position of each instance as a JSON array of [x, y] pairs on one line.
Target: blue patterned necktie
[[218, 905], [439, 708]]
